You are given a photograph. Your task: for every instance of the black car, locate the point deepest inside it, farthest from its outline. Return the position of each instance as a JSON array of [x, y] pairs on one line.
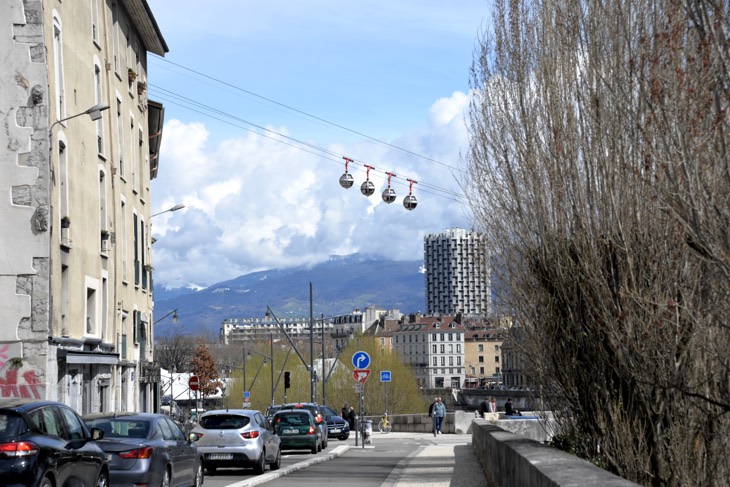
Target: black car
[[148, 449], [337, 426], [45, 443]]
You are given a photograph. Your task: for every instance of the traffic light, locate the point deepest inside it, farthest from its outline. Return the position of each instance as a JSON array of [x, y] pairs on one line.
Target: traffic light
[[287, 380]]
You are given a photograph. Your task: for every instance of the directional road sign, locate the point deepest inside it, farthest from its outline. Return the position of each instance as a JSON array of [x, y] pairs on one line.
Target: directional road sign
[[385, 376], [360, 360], [193, 383], [361, 375]]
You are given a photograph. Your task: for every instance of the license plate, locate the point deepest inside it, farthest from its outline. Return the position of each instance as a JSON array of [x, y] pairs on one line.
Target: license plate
[[220, 456], [336, 430], [290, 432]]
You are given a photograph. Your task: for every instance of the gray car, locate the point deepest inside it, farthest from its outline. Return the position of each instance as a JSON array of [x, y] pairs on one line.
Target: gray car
[[237, 438], [147, 449]]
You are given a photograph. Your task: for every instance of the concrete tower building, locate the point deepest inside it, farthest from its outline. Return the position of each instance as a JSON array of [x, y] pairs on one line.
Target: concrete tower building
[[457, 273]]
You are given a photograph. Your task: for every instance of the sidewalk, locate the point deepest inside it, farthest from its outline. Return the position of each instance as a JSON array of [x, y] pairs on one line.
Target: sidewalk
[[450, 461]]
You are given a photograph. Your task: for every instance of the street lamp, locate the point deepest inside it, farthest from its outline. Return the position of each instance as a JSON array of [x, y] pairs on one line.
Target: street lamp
[[174, 317], [246, 352], [174, 208], [93, 112]]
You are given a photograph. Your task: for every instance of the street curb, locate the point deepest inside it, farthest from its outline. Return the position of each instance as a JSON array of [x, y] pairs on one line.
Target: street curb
[[268, 477]]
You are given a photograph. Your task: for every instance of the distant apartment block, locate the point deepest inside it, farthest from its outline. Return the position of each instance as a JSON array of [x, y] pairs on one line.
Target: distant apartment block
[[457, 273]]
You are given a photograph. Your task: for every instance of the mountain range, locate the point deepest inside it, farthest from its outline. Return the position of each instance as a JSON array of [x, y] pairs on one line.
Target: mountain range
[[339, 286]]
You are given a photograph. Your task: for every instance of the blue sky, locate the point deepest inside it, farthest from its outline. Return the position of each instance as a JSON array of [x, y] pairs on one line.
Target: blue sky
[[262, 100]]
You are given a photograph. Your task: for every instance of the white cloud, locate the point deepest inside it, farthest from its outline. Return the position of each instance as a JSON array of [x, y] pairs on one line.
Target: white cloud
[[253, 203]]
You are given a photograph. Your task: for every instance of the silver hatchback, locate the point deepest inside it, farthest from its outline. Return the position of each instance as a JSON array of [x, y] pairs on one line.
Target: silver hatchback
[[237, 438]]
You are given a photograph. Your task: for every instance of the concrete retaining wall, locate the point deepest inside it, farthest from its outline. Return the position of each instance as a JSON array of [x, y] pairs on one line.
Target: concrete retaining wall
[[509, 459]]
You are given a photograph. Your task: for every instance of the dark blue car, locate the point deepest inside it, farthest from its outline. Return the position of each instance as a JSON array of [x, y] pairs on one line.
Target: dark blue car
[[45, 444]]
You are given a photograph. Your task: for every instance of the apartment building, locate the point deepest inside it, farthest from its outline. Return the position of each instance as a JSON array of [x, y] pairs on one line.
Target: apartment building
[[457, 273], [483, 355], [434, 347], [77, 154]]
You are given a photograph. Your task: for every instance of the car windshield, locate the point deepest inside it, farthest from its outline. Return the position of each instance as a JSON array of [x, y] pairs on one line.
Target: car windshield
[[121, 428], [10, 425], [224, 422]]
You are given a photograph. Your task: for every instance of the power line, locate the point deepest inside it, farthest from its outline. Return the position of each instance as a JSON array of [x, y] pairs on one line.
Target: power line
[[309, 115], [206, 110]]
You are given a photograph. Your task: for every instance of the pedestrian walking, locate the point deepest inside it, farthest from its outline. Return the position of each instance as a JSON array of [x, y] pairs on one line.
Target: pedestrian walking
[[439, 411], [493, 403], [430, 412]]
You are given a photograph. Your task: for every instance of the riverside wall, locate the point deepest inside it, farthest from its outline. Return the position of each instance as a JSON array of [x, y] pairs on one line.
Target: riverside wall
[[513, 451]]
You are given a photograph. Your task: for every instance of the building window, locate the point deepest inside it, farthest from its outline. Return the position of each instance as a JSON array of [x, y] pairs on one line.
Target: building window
[[120, 137], [443, 348], [451, 348], [451, 337], [481, 370], [481, 359], [480, 347], [90, 311], [458, 361], [99, 96], [458, 348], [433, 337], [443, 361], [435, 363], [58, 69], [95, 21], [434, 348], [496, 358], [451, 361], [442, 337]]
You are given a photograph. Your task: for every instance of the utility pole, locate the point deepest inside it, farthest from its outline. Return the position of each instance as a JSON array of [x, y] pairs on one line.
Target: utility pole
[[311, 345], [324, 376]]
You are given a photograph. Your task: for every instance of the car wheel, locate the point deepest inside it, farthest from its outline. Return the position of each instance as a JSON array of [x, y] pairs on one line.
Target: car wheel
[[260, 466], [103, 480], [277, 462], [165, 479], [198, 476], [319, 446], [315, 447], [46, 482], [343, 437]]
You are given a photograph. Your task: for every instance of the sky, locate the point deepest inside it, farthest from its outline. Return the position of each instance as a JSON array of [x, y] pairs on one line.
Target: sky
[[262, 102]]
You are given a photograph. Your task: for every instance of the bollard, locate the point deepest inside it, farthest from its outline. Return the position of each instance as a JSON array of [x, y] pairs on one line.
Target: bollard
[[368, 434]]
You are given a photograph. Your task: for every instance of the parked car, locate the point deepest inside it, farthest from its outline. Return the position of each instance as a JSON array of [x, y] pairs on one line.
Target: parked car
[[337, 426], [237, 438], [271, 410], [297, 429], [318, 414], [147, 449], [45, 443]]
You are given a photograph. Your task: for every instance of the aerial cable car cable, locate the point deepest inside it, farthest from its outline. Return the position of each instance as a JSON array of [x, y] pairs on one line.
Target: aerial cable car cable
[[314, 117]]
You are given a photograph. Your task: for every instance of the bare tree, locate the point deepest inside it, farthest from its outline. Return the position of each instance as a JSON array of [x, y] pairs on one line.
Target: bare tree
[[598, 167], [175, 351]]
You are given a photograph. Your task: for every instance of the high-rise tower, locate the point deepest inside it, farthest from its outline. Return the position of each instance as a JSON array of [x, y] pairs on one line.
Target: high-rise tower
[[457, 273]]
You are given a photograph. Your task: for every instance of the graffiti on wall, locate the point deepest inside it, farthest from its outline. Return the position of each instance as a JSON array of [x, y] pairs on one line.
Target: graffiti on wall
[[14, 380]]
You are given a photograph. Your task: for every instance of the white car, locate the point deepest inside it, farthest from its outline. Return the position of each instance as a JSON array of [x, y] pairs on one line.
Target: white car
[[237, 438]]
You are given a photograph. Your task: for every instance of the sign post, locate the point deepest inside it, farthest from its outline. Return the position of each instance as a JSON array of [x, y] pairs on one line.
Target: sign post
[[194, 385], [385, 378], [361, 360]]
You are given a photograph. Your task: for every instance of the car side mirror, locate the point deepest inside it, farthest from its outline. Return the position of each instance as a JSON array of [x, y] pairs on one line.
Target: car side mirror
[[97, 434]]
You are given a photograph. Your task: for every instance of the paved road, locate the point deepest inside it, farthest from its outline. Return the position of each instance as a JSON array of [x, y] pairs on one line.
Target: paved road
[[393, 460]]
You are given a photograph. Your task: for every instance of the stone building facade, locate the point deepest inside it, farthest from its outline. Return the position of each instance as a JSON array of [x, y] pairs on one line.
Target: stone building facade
[[77, 153]]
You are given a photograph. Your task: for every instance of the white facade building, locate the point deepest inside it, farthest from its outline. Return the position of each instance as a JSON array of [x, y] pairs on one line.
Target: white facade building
[[435, 352], [457, 273]]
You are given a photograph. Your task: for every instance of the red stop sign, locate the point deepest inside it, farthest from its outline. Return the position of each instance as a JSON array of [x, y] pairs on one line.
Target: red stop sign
[[193, 383]]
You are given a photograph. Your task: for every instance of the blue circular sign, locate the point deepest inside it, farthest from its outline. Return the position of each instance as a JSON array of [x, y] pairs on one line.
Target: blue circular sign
[[361, 360]]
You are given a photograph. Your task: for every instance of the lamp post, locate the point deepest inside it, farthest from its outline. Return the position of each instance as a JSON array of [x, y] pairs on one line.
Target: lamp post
[[174, 208], [93, 112], [246, 352], [174, 317]]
